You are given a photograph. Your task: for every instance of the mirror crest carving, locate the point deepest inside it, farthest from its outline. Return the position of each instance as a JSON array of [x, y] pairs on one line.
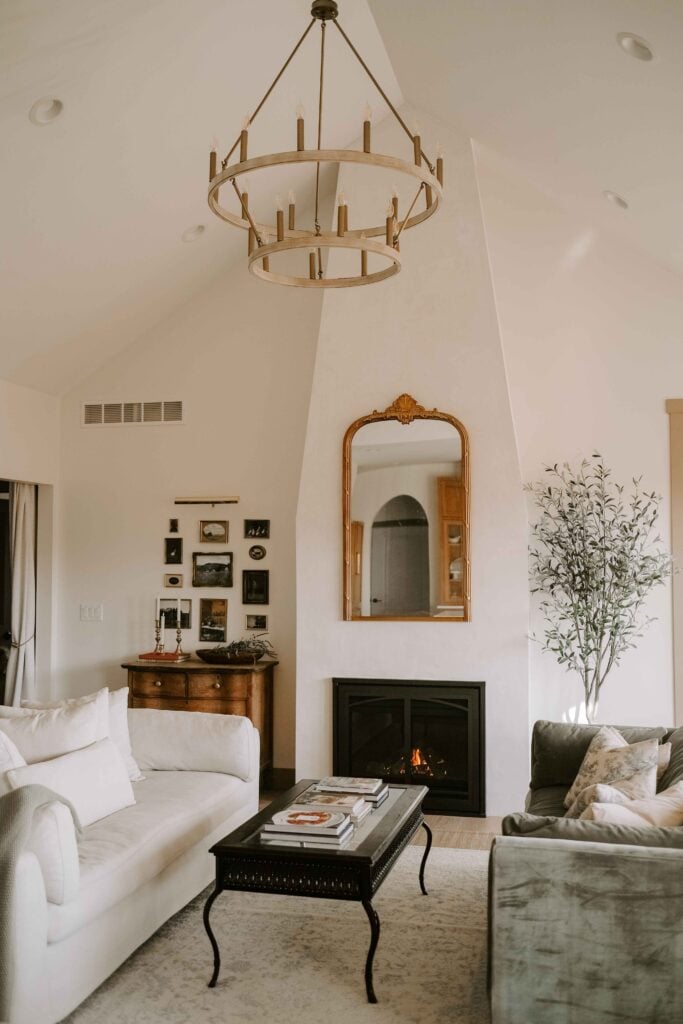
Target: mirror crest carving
[[406, 515]]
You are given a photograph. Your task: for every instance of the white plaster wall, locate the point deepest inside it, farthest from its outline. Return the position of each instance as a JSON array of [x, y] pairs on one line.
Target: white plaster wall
[[240, 358], [29, 434], [431, 331], [592, 337]]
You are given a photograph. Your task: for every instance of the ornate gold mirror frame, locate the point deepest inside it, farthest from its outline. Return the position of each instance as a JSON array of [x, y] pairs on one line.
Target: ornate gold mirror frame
[[405, 410]]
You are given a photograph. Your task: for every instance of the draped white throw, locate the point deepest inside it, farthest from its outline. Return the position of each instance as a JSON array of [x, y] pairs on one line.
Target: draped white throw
[[20, 677]]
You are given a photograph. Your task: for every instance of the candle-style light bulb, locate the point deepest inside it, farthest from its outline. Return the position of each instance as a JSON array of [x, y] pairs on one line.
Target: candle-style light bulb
[[300, 110], [341, 198], [278, 202], [390, 208], [246, 121], [367, 112], [439, 150], [291, 197]]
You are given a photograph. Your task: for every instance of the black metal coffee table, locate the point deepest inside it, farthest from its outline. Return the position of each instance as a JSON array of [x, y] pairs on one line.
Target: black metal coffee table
[[245, 864]]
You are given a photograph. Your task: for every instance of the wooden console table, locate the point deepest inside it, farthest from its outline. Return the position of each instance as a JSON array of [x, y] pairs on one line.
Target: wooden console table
[[222, 689]]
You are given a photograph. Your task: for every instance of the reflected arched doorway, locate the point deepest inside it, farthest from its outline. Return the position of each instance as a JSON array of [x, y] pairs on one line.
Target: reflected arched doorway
[[399, 559]]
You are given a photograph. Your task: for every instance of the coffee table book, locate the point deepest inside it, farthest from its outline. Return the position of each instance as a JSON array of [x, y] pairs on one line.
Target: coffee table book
[[302, 820]]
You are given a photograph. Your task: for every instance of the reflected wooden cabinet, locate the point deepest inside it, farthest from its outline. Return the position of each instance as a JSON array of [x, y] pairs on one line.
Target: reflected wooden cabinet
[[221, 689], [452, 505]]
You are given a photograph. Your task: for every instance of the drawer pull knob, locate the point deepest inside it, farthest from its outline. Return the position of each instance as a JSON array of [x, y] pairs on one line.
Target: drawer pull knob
[[158, 682], [217, 686]]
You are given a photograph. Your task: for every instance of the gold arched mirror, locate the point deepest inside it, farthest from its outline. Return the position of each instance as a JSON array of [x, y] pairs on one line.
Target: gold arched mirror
[[406, 515]]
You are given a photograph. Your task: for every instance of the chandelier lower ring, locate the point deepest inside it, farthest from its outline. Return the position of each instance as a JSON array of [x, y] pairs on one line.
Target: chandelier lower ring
[[340, 156], [325, 241]]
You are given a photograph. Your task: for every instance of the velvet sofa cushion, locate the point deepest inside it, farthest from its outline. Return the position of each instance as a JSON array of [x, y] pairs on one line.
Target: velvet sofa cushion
[[558, 749], [550, 827], [547, 801]]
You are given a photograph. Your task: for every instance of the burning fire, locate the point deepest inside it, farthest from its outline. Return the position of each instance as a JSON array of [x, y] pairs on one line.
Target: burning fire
[[416, 759]]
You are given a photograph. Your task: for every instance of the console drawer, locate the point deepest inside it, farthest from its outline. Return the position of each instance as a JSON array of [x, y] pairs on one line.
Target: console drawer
[[159, 684], [214, 686]]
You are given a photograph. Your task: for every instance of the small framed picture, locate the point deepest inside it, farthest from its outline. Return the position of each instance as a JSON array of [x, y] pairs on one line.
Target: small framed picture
[[173, 579], [168, 606], [257, 528], [173, 551], [173, 526], [213, 619], [213, 531], [257, 552], [255, 586], [256, 622], [212, 570]]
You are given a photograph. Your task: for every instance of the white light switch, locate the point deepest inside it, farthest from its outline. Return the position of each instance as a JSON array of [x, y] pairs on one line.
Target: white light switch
[[92, 613]]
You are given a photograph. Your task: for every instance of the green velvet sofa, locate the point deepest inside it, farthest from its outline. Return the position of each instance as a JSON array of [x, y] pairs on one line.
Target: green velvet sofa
[[586, 919]]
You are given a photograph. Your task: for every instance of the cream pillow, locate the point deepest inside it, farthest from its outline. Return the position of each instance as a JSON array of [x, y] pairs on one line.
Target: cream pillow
[[663, 758], [612, 761], [598, 793], [112, 708], [53, 841], [94, 780], [99, 699], [41, 735], [665, 810], [9, 758]]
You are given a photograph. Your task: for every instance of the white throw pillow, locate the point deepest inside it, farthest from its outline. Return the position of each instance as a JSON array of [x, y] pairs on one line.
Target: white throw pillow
[[94, 780], [9, 758], [41, 735], [664, 810], [99, 699], [112, 708], [53, 840]]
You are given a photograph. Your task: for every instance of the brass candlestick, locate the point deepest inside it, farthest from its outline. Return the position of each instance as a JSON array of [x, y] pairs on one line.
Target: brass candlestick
[[178, 637]]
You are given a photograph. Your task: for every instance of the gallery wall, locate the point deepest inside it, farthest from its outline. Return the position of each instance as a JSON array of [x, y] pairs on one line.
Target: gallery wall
[[591, 332], [431, 331], [240, 360]]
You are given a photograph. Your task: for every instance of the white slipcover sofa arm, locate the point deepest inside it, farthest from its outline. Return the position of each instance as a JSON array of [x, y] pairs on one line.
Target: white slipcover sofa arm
[[196, 741], [27, 944]]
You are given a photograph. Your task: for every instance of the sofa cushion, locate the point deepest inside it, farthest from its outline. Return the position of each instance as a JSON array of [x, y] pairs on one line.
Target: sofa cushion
[[674, 772], [173, 811], [41, 735], [547, 801], [546, 827], [558, 748], [192, 741], [93, 779], [666, 809], [9, 758]]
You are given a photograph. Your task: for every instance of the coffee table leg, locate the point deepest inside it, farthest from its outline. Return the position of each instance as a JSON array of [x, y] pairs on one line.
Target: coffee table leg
[[428, 847], [374, 926], [212, 937]]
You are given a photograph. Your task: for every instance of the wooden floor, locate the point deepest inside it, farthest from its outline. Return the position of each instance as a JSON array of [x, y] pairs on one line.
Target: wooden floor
[[453, 833]]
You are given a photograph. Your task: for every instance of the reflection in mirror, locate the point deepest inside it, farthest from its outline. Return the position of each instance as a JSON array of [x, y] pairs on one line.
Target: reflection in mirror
[[406, 516]]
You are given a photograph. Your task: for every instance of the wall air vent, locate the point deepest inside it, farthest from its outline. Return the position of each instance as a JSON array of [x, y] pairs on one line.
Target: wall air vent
[[114, 414]]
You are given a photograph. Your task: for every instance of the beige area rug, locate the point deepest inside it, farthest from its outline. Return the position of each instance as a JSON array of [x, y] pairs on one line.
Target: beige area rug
[[290, 960]]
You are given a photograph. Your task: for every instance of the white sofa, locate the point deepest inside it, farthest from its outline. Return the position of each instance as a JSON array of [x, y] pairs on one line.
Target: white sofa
[[138, 866]]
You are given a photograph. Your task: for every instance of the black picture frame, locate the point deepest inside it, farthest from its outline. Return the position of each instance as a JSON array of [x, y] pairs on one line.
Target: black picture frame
[[212, 568], [255, 586], [257, 552], [255, 621], [173, 551], [257, 528], [173, 579], [173, 526]]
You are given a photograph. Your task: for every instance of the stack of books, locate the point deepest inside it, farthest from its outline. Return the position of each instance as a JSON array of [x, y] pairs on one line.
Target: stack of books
[[374, 791], [305, 826], [357, 807]]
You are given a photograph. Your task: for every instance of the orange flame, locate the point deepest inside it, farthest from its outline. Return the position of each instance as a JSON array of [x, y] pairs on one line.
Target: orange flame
[[416, 758]]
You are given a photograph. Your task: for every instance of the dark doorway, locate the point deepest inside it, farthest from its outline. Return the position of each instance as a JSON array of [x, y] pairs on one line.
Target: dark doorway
[[399, 559]]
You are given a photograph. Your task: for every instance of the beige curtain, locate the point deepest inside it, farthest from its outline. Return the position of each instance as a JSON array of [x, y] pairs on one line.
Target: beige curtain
[[20, 678]]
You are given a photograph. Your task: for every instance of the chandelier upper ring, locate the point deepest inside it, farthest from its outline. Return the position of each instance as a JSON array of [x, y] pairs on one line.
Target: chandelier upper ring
[[234, 171], [331, 241]]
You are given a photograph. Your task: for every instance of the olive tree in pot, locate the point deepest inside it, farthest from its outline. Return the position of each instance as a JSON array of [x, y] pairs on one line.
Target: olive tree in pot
[[594, 558]]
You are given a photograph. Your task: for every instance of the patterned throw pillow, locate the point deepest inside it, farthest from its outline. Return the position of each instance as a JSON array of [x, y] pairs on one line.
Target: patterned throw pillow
[[611, 761]]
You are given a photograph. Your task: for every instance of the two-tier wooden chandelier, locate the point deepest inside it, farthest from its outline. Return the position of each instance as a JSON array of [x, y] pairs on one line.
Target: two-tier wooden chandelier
[[314, 240]]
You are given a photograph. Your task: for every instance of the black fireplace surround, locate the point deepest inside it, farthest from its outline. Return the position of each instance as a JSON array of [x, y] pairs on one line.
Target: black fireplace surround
[[421, 732]]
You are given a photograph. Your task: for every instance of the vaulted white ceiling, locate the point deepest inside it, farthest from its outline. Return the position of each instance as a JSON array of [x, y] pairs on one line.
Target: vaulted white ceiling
[[94, 204]]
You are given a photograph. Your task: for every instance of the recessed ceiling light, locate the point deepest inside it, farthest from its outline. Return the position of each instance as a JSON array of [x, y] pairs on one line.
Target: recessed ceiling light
[[45, 110], [615, 199], [635, 46], [192, 234]]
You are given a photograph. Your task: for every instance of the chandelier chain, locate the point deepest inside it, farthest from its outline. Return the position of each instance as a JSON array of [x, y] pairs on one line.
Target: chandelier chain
[[320, 125], [226, 161], [382, 93]]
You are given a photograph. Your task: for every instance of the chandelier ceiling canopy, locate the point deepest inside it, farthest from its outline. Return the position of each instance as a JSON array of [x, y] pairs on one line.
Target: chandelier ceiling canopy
[[377, 245]]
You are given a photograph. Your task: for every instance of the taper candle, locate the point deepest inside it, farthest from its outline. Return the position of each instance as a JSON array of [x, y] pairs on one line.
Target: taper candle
[[292, 210], [300, 126]]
